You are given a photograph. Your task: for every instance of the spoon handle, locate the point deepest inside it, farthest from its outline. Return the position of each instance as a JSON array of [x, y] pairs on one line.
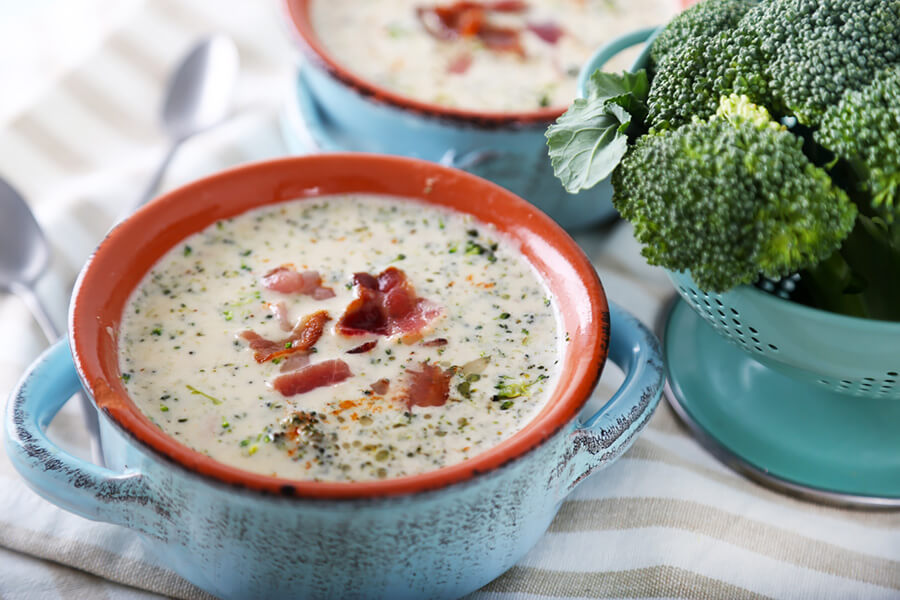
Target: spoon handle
[[37, 308], [42, 316], [153, 185]]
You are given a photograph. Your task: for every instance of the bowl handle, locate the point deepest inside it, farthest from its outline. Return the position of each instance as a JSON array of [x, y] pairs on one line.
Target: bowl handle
[[605, 53], [610, 431], [76, 485]]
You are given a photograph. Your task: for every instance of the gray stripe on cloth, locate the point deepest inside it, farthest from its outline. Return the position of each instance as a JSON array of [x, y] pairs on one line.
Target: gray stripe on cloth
[[649, 582], [45, 142], [134, 126], [99, 561], [123, 46], [704, 519]]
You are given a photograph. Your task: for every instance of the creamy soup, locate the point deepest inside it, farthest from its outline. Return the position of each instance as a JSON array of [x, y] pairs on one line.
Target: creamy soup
[[342, 338], [498, 56]]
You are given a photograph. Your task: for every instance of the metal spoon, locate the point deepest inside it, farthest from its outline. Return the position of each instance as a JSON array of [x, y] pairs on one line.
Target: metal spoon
[[24, 257], [198, 97]]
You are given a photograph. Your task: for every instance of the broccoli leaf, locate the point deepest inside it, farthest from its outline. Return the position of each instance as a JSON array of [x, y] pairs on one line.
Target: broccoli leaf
[[588, 141]]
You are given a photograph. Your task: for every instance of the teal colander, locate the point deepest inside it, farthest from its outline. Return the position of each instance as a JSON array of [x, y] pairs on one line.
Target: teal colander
[[848, 355]]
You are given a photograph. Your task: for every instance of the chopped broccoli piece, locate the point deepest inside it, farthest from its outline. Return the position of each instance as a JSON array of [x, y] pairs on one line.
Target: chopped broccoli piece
[[730, 198]]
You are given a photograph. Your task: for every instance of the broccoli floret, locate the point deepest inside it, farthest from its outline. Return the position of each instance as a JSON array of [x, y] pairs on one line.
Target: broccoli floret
[[695, 74], [817, 49], [704, 20], [795, 56], [730, 198], [863, 129]]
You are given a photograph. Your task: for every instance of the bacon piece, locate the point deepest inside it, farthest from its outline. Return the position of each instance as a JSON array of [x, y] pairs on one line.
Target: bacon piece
[[363, 347], [287, 280], [435, 342], [429, 385], [295, 361], [385, 305], [322, 293], [381, 386], [549, 32], [328, 372], [280, 312], [460, 64], [302, 338], [501, 38], [508, 6], [469, 19]]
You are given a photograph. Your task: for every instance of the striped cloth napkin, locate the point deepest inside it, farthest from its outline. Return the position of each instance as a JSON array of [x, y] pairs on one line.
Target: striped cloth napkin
[[665, 521]]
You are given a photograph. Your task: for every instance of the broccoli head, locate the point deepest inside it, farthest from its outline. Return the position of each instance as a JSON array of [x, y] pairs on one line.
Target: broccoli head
[[817, 49], [704, 20], [694, 74], [730, 198], [863, 129]]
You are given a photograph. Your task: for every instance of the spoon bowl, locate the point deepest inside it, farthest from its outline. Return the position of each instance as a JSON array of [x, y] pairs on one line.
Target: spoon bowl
[[198, 97], [24, 253], [199, 91]]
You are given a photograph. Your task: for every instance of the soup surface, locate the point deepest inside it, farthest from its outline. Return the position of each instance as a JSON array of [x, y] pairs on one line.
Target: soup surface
[[342, 338], [497, 56]]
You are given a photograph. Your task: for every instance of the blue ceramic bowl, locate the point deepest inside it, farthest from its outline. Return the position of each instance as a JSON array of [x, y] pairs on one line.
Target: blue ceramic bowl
[[347, 113], [237, 534]]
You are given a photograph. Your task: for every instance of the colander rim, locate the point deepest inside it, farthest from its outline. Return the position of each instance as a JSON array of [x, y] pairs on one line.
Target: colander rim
[[795, 308]]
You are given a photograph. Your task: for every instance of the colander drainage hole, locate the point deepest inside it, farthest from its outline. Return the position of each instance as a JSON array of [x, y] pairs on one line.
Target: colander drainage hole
[[892, 373], [753, 330], [773, 347]]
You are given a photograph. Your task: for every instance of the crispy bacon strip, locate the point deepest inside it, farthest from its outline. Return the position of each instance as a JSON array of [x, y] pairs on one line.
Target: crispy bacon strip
[[385, 305], [328, 372], [427, 385], [287, 280], [302, 338], [363, 347], [469, 19]]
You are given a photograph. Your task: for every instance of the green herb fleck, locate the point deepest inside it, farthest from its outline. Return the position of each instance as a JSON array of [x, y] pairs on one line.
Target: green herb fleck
[[288, 345], [228, 315], [156, 331], [225, 423], [188, 250], [504, 315], [163, 408], [194, 390], [400, 257], [506, 405], [126, 377]]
